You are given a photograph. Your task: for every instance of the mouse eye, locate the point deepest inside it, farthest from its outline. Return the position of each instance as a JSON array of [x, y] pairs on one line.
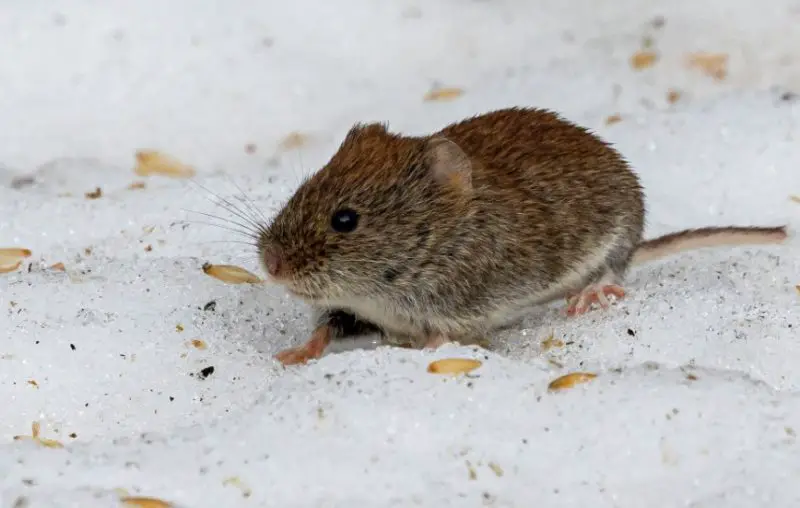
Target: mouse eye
[[344, 220]]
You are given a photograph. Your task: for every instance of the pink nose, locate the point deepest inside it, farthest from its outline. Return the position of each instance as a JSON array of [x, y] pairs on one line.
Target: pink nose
[[273, 262]]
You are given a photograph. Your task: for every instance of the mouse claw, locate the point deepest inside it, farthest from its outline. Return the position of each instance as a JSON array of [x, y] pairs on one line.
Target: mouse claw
[[580, 303], [311, 350]]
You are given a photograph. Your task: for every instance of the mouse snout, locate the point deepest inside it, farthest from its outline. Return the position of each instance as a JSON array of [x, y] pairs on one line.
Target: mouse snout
[[274, 262]]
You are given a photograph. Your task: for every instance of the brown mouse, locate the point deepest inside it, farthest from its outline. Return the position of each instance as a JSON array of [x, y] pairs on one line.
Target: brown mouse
[[450, 236]]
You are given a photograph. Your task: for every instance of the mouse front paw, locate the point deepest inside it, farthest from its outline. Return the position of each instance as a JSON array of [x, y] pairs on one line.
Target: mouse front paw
[[297, 355], [311, 350]]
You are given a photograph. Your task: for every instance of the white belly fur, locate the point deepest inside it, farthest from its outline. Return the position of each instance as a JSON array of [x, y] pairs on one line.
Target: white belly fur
[[394, 319]]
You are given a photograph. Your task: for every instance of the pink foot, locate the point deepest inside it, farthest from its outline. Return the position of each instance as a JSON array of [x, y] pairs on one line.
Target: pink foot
[[581, 302], [311, 350]]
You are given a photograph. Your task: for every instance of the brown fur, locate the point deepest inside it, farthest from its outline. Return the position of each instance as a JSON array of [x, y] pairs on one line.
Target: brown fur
[[543, 208]]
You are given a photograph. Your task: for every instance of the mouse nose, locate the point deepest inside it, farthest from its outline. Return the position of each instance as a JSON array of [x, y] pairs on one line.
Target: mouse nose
[[273, 262]]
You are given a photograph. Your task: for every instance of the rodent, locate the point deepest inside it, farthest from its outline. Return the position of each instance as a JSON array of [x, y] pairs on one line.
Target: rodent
[[446, 237]]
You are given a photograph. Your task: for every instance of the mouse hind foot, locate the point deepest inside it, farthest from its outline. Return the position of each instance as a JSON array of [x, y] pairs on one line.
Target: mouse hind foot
[[603, 283], [581, 302], [596, 292]]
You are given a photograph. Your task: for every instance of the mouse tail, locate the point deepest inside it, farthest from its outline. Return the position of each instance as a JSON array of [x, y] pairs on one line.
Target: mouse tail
[[688, 239]]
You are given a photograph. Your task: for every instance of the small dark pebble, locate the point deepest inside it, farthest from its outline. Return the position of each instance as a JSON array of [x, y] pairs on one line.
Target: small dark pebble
[[206, 372], [72, 347], [789, 96], [210, 306], [631, 332], [171, 398], [22, 181]]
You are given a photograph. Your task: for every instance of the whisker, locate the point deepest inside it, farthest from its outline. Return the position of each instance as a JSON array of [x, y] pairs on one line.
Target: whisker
[[244, 227], [242, 214], [299, 176], [243, 253], [251, 244], [262, 227], [300, 158], [239, 259], [232, 208], [249, 203], [227, 228]]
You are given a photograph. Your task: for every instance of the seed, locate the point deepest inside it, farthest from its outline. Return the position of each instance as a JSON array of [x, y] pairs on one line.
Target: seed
[[11, 258], [643, 59], [673, 96], [35, 429], [551, 342], [293, 140], [712, 64], [453, 366], [444, 94], [231, 274], [145, 502], [8, 268], [13, 254], [149, 162], [496, 469], [237, 482], [570, 380]]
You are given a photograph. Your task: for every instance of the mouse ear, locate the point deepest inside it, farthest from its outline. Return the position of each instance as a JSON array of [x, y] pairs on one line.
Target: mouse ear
[[448, 163]]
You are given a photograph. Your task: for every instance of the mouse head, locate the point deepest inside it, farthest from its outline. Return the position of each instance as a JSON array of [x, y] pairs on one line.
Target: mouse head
[[364, 224]]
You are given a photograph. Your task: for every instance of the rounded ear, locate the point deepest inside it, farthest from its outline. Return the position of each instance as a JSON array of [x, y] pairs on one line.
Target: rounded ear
[[448, 163]]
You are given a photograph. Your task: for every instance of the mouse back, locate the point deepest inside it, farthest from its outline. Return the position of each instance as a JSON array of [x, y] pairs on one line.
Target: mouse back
[[569, 189]]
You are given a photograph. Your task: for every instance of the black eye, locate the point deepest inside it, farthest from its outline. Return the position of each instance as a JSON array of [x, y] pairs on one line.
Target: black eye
[[344, 220]]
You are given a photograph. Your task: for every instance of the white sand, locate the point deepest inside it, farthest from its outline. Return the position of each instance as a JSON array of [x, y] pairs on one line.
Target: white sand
[[83, 85]]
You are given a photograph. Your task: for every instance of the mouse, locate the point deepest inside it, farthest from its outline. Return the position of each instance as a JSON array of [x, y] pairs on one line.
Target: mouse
[[449, 236]]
